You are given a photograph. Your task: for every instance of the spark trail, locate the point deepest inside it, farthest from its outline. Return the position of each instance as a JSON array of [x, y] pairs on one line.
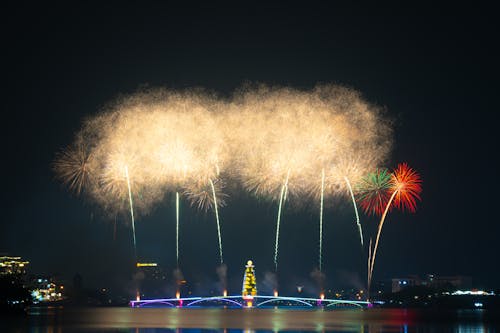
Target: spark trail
[[355, 210], [321, 218], [381, 224], [131, 203], [284, 189], [369, 276], [177, 227], [217, 219]]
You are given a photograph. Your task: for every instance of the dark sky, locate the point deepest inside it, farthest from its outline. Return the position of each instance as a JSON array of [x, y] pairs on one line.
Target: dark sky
[[434, 69]]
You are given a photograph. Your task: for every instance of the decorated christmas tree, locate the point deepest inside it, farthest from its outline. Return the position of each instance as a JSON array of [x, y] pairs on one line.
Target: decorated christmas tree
[[249, 281]]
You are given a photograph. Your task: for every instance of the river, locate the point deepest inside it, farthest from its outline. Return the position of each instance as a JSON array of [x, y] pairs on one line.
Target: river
[[92, 320]]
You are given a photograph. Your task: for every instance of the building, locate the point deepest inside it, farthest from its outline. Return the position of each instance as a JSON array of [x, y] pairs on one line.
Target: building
[[45, 290], [431, 281], [151, 271], [399, 284], [457, 281], [13, 291], [13, 266], [151, 279]]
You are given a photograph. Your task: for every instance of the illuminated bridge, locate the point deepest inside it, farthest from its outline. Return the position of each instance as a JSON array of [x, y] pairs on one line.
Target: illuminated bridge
[[246, 302]]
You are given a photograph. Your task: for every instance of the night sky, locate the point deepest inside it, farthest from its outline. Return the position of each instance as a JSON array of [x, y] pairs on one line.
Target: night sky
[[435, 71]]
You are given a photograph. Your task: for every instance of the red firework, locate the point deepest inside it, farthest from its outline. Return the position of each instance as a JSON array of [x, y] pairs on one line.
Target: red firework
[[408, 186]]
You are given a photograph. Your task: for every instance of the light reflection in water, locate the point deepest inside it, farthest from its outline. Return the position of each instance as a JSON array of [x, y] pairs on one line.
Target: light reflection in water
[[180, 320]]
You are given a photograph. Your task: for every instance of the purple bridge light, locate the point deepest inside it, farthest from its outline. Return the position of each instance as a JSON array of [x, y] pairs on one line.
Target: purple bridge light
[[257, 301]]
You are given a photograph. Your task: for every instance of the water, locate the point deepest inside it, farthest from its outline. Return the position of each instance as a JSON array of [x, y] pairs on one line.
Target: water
[[135, 320]]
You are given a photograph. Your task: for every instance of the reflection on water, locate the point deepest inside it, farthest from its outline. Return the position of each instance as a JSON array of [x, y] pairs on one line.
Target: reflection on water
[[137, 320]]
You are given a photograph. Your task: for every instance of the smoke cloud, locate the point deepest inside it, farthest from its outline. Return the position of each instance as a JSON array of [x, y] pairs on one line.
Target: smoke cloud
[[222, 274]]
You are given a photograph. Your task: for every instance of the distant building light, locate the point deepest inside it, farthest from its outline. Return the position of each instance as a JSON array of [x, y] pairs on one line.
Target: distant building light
[[473, 292], [147, 264]]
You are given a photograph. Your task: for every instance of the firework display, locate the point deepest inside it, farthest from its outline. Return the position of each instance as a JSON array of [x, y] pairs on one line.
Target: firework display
[[380, 191], [282, 144]]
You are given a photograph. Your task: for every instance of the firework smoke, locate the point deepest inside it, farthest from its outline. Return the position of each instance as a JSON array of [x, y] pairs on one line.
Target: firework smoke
[[222, 274], [319, 277], [179, 278], [270, 282]]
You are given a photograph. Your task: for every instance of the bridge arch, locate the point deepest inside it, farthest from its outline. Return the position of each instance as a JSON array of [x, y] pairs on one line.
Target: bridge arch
[[345, 302], [142, 304], [284, 299], [230, 301]]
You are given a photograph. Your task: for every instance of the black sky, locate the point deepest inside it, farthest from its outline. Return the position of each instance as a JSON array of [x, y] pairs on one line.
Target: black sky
[[434, 69]]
